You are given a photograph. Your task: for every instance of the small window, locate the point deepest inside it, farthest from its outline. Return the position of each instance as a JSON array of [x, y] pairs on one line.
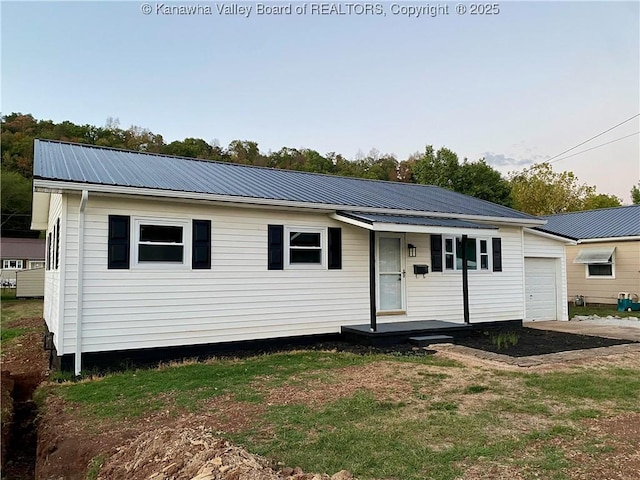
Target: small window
[[12, 264], [484, 255], [600, 270], [477, 254], [160, 243], [449, 254], [36, 264], [305, 246]]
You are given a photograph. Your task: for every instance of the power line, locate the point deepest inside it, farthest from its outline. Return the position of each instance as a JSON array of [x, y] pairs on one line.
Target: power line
[[593, 148], [595, 136]]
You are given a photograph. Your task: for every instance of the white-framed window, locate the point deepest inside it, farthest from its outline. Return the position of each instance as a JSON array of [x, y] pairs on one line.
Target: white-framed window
[[478, 257], [305, 247], [161, 243], [12, 265], [36, 264], [599, 262]]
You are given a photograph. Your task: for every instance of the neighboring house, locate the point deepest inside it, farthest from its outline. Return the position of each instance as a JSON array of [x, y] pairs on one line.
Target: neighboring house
[[149, 251], [606, 258], [18, 254]]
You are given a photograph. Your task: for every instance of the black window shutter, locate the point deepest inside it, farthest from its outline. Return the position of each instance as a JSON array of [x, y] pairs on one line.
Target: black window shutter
[[496, 244], [201, 245], [436, 253], [57, 243], [335, 248], [118, 249], [49, 251], [276, 247]]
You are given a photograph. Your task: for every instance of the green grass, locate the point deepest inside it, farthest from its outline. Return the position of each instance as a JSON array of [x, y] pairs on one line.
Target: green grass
[[619, 385], [134, 393], [12, 310], [433, 432], [601, 311]]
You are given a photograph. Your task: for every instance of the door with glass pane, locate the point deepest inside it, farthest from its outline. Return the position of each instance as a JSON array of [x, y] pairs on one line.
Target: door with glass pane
[[390, 272]]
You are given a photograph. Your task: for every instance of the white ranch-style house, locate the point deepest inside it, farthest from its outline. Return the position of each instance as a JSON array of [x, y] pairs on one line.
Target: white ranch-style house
[[150, 251]]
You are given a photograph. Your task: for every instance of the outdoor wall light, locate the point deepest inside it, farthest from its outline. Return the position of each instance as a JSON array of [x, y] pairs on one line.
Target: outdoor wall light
[[413, 251]]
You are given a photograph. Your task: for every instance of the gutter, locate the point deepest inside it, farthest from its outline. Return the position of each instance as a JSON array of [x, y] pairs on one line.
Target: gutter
[[58, 186], [78, 355]]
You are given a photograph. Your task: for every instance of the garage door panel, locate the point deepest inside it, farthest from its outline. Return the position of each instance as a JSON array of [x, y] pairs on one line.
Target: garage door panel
[[540, 288]]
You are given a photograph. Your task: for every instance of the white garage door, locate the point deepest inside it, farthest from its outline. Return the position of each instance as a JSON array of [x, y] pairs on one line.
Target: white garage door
[[540, 288]]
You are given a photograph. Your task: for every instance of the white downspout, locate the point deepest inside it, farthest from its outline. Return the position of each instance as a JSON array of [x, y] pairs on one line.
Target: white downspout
[[78, 356]]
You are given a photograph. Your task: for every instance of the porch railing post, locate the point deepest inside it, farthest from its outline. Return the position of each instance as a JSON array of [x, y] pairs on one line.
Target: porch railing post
[[372, 279], [465, 280]]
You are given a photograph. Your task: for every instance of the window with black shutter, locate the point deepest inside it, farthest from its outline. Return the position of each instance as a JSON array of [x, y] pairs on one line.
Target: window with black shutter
[[436, 253], [275, 240], [201, 245], [496, 249], [335, 248], [118, 243]]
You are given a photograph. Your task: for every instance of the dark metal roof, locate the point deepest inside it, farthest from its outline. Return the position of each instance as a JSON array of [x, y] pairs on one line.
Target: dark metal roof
[[601, 223], [106, 166], [410, 220], [22, 248]]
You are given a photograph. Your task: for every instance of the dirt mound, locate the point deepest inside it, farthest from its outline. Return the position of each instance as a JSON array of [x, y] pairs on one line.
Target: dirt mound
[[190, 453]]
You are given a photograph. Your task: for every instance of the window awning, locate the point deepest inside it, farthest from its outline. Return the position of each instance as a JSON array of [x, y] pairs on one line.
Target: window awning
[[410, 223], [594, 255]]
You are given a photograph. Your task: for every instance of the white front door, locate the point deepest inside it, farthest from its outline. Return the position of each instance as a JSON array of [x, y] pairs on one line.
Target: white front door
[[390, 272]]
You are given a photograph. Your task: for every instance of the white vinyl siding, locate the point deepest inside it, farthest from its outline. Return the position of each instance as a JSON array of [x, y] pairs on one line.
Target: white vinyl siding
[[52, 277], [237, 299], [536, 246], [493, 296]]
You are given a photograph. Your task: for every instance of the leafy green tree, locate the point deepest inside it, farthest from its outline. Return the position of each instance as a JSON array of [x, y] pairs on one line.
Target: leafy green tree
[[635, 194], [600, 200], [15, 198], [478, 179], [538, 190]]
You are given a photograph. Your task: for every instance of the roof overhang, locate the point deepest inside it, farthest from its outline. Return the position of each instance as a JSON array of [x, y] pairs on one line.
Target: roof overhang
[[57, 186], [551, 236], [413, 224], [595, 255], [40, 210], [610, 239]]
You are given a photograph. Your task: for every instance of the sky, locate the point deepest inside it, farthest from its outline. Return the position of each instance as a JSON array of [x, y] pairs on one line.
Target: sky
[[517, 83]]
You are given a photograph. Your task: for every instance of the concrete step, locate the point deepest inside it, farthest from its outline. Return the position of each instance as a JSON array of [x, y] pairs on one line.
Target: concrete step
[[423, 341]]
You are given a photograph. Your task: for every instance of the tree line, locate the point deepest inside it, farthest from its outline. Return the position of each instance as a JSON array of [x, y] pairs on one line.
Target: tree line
[[537, 190]]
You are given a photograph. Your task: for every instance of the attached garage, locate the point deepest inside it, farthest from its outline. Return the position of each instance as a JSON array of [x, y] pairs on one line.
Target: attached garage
[[545, 286], [540, 288]]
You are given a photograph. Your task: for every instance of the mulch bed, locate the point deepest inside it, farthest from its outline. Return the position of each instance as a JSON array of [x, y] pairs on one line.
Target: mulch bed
[[536, 342]]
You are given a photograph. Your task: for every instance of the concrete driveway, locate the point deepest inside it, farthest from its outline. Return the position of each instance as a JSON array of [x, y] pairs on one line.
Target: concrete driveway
[[631, 332]]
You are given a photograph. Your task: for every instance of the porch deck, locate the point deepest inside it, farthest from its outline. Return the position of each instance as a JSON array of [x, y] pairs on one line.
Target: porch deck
[[399, 332]]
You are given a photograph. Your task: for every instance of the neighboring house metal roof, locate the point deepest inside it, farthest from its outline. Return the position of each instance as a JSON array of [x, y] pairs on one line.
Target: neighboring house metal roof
[[601, 223], [22, 248], [89, 164], [409, 220]]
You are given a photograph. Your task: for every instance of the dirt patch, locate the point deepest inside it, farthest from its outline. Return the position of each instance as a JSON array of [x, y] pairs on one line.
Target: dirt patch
[[535, 342], [381, 379], [195, 453], [26, 363]]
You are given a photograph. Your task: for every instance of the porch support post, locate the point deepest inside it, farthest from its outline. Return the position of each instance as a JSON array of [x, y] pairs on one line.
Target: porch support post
[[372, 279], [465, 280]]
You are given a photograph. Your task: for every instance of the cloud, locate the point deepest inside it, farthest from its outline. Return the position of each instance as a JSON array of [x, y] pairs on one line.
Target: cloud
[[501, 160]]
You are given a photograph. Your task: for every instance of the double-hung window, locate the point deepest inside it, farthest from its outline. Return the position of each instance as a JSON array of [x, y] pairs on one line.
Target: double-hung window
[[159, 242], [477, 253], [305, 247], [12, 264]]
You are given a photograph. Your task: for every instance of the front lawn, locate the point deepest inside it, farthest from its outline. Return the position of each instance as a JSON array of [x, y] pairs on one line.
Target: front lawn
[[380, 416]]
